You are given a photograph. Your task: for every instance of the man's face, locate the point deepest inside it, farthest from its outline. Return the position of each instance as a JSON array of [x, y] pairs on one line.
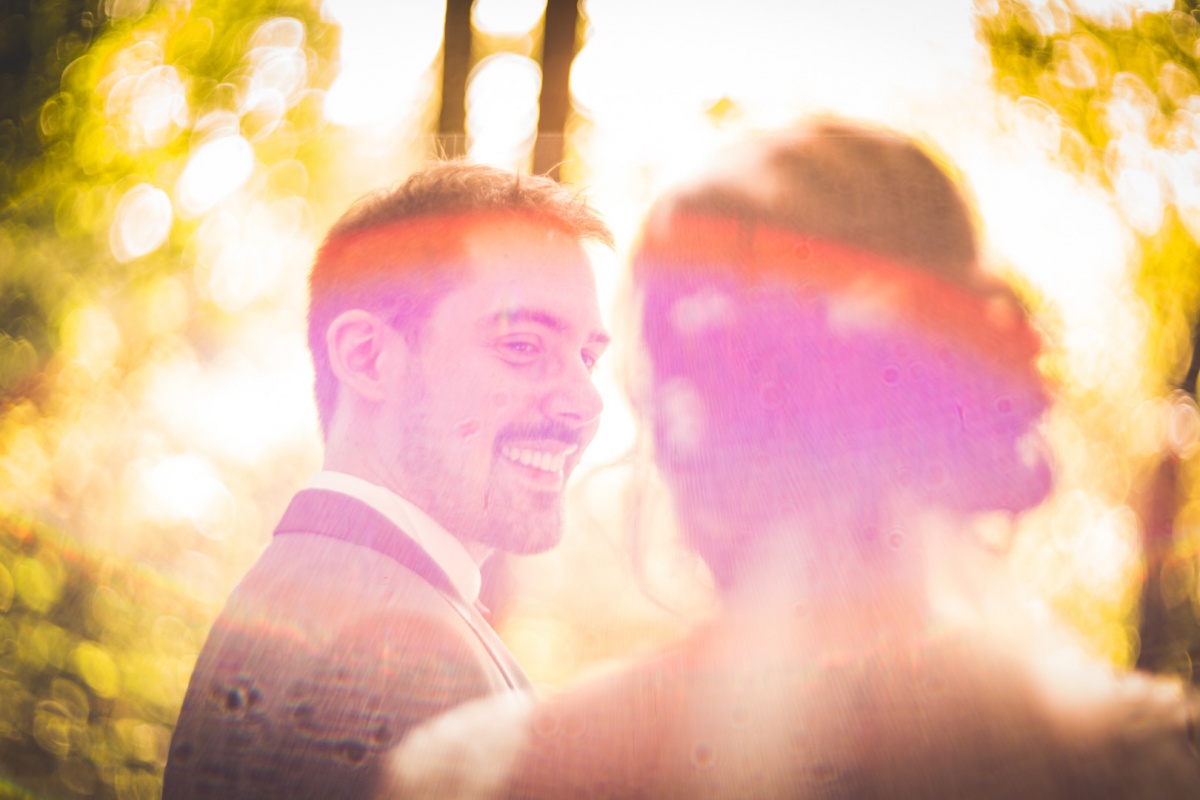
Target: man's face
[[495, 402]]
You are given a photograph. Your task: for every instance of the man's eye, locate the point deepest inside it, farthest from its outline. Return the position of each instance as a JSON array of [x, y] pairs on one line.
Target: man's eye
[[520, 348], [589, 360]]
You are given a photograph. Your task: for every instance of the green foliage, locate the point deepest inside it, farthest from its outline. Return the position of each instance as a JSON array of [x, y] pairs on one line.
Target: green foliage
[[94, 661], [37, 42], [94, 654], [1076, 67], [70, 146], [1126, 93]]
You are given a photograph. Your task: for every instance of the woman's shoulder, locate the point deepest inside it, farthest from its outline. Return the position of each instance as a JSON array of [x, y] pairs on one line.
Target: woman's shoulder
[[599, 738], [952, 715]]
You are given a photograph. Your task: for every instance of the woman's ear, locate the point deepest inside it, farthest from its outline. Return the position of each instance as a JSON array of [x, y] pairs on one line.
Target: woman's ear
[[356, 340]]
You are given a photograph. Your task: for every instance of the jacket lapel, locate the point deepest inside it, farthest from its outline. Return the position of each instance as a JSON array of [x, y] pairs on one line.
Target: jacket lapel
[[323, 513]]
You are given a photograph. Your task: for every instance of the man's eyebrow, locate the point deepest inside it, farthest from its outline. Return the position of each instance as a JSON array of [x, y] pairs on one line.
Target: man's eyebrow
[[516, 316]]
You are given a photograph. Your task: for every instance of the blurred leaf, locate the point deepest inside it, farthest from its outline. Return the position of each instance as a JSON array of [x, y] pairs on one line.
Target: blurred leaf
[[89, 690]]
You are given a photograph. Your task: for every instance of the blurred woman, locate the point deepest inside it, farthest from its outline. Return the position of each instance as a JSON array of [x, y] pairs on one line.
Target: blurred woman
[[836, 387]]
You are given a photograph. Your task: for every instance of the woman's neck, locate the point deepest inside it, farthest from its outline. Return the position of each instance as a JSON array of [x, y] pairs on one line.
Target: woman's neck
[[840, 588]]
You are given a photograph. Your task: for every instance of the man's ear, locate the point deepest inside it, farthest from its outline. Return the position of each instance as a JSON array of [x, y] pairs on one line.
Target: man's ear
[[357, 340]]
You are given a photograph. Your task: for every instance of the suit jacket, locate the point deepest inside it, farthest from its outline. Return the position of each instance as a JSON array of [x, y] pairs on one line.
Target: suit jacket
[[341, 637]]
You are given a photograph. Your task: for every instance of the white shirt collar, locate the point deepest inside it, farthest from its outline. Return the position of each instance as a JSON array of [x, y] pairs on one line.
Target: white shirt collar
[[445, 550]]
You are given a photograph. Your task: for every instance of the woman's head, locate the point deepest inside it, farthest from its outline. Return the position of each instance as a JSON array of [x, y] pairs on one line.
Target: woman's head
[[821, 336]]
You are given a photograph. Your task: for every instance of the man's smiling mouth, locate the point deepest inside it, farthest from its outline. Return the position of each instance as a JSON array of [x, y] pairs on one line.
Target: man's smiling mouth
[[540, 457]]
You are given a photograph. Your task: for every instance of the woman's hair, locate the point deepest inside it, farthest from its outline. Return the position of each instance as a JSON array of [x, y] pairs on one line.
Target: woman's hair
[[820, 333]]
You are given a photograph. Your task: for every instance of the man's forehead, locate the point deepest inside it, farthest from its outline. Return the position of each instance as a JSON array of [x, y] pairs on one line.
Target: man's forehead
[[516, 257], [544, 290]]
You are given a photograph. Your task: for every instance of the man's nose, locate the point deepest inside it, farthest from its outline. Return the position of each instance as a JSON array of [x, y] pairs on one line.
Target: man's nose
[[575, 400]]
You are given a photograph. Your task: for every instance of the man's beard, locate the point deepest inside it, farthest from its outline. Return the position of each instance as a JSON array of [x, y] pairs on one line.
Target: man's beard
[[501, 515], [497, 513], [509, 528]]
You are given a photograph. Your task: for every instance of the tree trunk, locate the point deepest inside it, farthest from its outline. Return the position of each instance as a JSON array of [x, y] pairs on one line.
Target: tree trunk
[[558, 51], [456, 65]]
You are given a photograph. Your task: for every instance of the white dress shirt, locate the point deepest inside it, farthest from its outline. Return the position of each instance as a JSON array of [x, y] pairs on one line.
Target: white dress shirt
[[438, 543]]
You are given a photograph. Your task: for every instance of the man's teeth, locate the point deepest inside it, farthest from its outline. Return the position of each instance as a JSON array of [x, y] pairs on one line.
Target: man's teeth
[[538, 459]]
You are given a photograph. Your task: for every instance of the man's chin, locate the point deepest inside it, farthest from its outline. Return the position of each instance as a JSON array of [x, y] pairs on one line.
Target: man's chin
[[526, 531], [522, 522], [527, 540]]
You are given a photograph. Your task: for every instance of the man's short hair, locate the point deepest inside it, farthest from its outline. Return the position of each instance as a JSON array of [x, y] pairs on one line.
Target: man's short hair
[[395, 251]]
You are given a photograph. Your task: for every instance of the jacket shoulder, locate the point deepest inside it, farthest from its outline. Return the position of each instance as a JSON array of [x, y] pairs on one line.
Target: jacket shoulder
[[324, 656]]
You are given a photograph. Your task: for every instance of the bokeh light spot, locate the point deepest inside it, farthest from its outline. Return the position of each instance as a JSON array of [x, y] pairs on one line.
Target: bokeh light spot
[[97, 669], [506, 18], [1177, 580], [149, 743], [1183, 427], [123, 9], [44, 644], [1140, 196], [217, 169], [36, 585], [188, 487], [91, 336], [7, 589], [165, 307], [159, 107], [281, 32], [279, 67], [502, 109], [681, 411], [52, 728], [107, 608], [142, 222], [702, 312], [1038, 125], [387, 51], [71, 698]]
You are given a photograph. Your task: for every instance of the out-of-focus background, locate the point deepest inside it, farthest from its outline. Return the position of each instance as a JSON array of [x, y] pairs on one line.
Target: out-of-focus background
[[168, 167]]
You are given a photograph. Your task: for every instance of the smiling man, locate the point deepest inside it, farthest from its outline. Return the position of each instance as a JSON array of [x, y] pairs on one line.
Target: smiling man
[[454, 327]]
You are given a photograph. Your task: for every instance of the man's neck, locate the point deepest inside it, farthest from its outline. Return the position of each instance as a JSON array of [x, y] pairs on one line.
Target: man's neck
[[460, 560], [363, 468]]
